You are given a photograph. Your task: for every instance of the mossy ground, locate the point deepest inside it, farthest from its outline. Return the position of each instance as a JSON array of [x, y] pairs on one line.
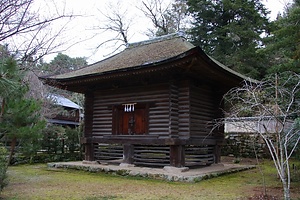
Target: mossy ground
[[37, 182]]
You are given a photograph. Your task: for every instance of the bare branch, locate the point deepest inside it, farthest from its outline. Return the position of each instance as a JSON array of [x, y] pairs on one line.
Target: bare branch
[[270, 109], [166, 19], [117, 23], [26, 31]]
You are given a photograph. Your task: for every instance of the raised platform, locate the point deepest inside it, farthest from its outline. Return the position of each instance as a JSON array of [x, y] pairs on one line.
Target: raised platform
[[167, 173]]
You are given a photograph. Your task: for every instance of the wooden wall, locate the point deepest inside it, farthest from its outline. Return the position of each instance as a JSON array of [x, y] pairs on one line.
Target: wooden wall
[[88, 125], [205, 107], [156, 95], [177, 109]]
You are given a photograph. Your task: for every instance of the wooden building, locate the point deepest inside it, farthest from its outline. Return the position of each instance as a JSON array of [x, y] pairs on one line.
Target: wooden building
[[68, 112], [152, 104]]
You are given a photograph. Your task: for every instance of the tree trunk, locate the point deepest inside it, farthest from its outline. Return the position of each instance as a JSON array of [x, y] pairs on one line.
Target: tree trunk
[[2, 109], [286, 191], [286, 188], [12, 149]]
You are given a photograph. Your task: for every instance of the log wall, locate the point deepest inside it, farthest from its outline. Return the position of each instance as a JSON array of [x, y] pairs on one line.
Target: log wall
[[202, 110], [177, 110], [158, 112], [164, 120]]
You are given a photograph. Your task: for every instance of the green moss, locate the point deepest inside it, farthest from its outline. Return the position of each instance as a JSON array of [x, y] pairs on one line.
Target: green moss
[[37, 182]]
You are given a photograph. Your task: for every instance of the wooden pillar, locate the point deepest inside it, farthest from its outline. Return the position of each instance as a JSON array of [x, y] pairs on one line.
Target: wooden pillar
[[177, 156], [128, 152], [217, 152], [218, 133], [89, 152], [173, 110], [88, 125]]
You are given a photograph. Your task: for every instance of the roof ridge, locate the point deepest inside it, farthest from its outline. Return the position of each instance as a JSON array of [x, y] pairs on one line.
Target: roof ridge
[[179, 34]]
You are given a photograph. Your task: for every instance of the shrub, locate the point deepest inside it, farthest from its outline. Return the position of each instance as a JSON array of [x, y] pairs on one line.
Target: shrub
[[3, 167]]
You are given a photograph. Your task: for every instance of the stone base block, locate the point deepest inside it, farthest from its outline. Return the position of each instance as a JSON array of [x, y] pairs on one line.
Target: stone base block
[[126, 165], [175, 169], [89, 162]]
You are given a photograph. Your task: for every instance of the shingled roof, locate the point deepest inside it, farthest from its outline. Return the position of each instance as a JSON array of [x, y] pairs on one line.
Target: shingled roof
[[136, 54], [150, 55]]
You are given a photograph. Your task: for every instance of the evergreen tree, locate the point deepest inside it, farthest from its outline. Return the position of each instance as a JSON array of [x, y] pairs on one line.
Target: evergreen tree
[[63, 63], [22, 124], [10, 77], [283, 46], [230, 31], [20, 119]]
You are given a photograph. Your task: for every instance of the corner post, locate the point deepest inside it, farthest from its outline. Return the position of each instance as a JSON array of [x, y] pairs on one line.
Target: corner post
[[177, 156], [88, 128]]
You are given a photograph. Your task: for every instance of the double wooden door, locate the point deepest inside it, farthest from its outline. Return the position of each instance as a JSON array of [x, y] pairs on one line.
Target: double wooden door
[[130, 123]]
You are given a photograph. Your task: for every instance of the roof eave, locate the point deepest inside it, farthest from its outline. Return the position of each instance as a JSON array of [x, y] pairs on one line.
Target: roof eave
[[154, 66], [63, 81], [225, 69]]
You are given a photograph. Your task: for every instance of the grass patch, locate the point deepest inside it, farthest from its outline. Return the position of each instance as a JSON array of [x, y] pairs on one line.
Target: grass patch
[[102, 198], [37, 182]]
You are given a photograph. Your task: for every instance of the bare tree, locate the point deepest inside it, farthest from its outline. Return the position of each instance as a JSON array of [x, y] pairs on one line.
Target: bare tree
[[26, 31], [274, 105], [179, 15], [116, 22], [166, 19]]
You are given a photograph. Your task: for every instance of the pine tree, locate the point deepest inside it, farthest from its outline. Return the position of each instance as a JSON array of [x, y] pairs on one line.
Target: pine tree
[[10, 77], [230, 31], [283, 46], [20, 119], [63, 63], [22, 124]]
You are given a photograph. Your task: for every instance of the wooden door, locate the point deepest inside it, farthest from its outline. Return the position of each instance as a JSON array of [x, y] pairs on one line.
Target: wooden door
[[130, 123], [140, 122]]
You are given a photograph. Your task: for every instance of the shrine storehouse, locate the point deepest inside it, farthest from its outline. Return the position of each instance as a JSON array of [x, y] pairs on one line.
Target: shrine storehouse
[[153, 104]]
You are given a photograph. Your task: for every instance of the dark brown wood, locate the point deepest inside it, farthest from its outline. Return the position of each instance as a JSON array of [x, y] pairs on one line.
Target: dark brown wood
[[217, 152], [177, 96], [149, 155], [180, 115], [108, 103], [88, 128], [150, 139], [88, 115], [177, 156], [135, 140], [104, 152], [130, 123], [173, 110], [89, 152]]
